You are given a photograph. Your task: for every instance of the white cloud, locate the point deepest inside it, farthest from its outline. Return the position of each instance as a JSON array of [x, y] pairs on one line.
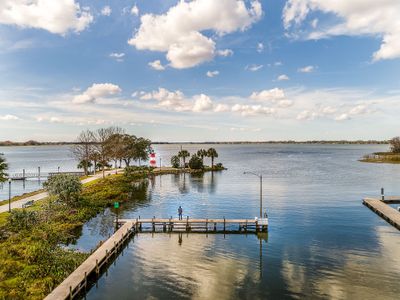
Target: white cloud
[[156, 65], [221, 108], [283, 77], [306, 69], [179, 31], [57, 17], [97, 90], [314, 23], [342, 117], [250, 110], [277, 64], [357, 17], [202, 103], [118, 56], [306, 115], [134, 10], [260, 47], [106, 11], [8, 118], [254, 68], [268, 95], [212, 73], [225, 52], [177, 101]]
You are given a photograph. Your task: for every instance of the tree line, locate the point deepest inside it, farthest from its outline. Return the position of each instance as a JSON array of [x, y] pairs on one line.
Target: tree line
[[197, 159], [98, 148]]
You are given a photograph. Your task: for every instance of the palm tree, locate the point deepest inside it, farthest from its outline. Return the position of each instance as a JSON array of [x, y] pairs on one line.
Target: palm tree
[[3, 168], [183, 154], [201, 153], [213, 154], [175, 161]]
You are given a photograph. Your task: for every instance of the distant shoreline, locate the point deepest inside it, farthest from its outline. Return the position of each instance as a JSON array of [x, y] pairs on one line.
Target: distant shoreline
[[339, 142]]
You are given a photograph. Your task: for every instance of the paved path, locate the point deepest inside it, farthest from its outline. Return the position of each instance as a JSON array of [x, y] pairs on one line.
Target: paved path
[[19, 203]]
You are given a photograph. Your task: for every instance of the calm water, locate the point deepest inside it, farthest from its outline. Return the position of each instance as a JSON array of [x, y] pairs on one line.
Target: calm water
[[322, 243]]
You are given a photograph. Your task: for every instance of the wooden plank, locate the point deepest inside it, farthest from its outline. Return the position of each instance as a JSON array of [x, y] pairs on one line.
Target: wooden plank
[[90, 265], [388, 213]]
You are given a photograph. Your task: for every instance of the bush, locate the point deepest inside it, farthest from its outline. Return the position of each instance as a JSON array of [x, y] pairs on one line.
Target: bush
[[195, 162], [395, 145], [66, 188], [22, 219], [175, 161]]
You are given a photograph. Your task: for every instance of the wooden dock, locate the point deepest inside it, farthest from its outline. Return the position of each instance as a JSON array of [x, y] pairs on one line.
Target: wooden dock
[[77, 281], [381, 208], [198, 225]]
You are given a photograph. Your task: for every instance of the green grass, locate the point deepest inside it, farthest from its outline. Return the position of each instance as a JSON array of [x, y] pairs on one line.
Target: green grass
[[33, 260], [382, 157], [17, 198]]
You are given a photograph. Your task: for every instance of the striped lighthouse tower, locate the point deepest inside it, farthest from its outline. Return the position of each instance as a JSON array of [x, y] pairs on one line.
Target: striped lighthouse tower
[[153, 162]]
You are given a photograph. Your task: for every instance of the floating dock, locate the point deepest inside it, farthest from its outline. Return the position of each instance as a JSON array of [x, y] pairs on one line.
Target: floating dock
[[77, 281], [381, 208]]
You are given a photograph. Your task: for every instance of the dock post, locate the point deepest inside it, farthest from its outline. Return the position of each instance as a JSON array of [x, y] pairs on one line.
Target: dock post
[[85, 280], [224, 224], [97, 267], [245, 226], [215, 227], [137, 225], [170, 224], [383, 194], [164, 227], [187, 224], [256, 226], [70, 292], [206, 225], [23, 174], [152, 222], [39, 173], [106, 256]]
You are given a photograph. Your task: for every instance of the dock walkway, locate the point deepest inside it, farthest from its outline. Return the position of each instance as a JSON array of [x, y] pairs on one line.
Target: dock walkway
[[77, 281], [381, 208]]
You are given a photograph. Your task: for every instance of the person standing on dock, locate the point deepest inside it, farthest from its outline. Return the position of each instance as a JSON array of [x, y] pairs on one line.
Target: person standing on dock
[[180, 211]]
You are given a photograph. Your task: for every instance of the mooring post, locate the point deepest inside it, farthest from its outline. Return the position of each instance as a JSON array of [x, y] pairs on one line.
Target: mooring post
[[206, 225], [39, 173], [215, 226], [152, 221], [97, 267], [224, 224], [70, 292], [245, 227], [383, 194], [164, 227], [256, 225], [106, 256], [170, 223], [23, 174], [85, 280], [187, 223]]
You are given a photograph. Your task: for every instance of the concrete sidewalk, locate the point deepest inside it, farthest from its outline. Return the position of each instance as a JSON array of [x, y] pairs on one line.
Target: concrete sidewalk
[[19, 203]]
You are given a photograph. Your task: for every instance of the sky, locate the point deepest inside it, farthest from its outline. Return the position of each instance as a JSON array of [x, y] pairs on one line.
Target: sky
[[200, 70]]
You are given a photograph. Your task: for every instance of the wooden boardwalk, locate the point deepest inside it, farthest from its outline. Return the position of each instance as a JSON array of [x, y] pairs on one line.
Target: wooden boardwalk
[[198, 225], [381, 208], [77, 281]]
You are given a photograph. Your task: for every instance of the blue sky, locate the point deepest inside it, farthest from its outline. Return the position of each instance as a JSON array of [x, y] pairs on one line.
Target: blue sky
[[200, 70]]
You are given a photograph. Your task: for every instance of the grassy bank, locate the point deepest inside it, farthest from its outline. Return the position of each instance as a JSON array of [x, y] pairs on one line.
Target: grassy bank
[[382, 157], [33, 259], [23, 196]]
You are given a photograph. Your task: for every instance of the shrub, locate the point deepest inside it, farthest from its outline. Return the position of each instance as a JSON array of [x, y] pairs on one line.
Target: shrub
[[395, 145], [175, 161], [66, 188], [22, 219], [195, 162]]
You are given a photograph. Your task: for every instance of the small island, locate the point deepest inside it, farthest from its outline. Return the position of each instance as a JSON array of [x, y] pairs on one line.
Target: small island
[[390, 157]]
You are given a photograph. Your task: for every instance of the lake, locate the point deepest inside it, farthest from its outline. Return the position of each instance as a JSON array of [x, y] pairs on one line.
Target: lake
[[322, 242]]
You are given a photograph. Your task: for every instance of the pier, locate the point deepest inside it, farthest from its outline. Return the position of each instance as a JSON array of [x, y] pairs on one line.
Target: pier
[[38, 175], [77, 281], [381, 208]]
